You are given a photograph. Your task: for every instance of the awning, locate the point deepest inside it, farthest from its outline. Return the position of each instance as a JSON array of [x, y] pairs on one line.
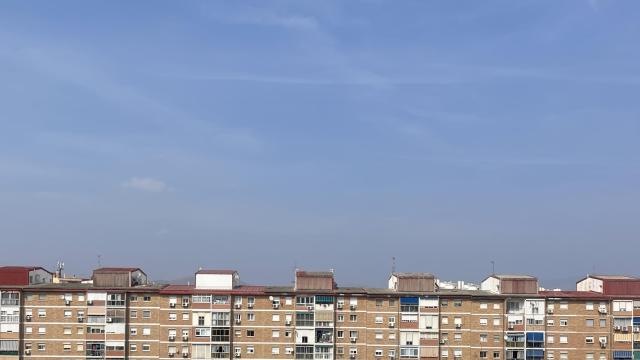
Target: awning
[[535, 336], [636, 321], [622, 355], [409, 300], [538, 353]]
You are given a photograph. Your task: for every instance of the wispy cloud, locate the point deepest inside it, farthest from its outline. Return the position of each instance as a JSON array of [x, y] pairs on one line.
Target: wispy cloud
[[145, 184]]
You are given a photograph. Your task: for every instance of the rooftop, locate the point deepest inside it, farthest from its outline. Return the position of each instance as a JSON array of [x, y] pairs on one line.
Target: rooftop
[[216, 272], [314, 273], [413, 275], [513, 277], [116, 269]]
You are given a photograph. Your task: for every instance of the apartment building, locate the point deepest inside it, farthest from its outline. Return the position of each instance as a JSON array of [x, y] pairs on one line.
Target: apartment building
[[120, 314]]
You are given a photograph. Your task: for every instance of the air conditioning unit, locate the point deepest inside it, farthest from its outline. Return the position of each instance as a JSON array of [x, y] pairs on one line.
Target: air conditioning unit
[[250, 305], [510, 327], [185, 337], [616, 328], [172, 354], [109, 320], [549, 311], [353, 306], [67, 302], [287, 322], [603, 343], [458, 326], [625, 329], [80, 319], [185, 303], [339, 306], [310, 308], [89, 302], [602, 309], [28, 318], [353, 338], [237, 354], [352, 356], [443, 341], [172, 338], [276, 305], [27, 351], [172, 305], [185, 354], [238, 321], [237, 305], [392, 324]]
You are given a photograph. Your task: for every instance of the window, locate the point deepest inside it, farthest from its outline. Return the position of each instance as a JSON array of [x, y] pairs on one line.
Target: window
[[353, 318], [378, 352], [445, 320], [42, 347], [550, 322], [251, 316], [444, 303], [66, 331], [496, 306], [483, 305], [251, 333], [275, 350], [564, 322], [550, 339], [133, 298], [340, 334], [275, 333], [589, 322], [444, 353], [340, 318], [379, 335], [483, 321], [146, 314], [173, 316], [220, 335], [603, 322], [379, 319], [379, 302], [133, 331], [564, 305], [80, 297], [220, 319], [457, 303], [185, 316], [28, 330], [67, 313], [588, 339], [589, 306], [42, 313], [457, 337], [133, 314], [275, 317], [146, 347], [496, 321], [483, 354], [564, 339], [79, 346], [146, 331], [250, 349], [392, 336], [133, 347], [483, 338], [66, 347], [42, 330], [146, 298], [496, 354]]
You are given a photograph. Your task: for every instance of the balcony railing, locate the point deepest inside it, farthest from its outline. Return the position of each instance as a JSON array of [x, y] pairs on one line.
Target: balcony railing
[[95, 353], [10, 302], [10, 319], [323, 356]]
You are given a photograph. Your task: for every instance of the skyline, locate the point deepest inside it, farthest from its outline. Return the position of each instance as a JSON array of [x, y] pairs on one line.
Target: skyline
[[322, 135]]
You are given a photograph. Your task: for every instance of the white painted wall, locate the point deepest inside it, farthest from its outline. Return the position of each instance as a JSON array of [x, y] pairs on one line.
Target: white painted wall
[[491, 284], [590, 284], [216, 281], [39, 276], [393, 282]]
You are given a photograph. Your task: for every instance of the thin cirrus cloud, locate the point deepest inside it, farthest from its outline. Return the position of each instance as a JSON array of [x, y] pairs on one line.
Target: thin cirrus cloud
[[145, 184]]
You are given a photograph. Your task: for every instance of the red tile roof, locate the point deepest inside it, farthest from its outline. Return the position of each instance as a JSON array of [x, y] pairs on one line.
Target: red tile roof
[[191, 289], [16, 275]]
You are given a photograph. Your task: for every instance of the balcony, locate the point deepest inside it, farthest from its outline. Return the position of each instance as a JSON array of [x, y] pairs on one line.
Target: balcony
[[11, 319], [10, 302], [95, 353]]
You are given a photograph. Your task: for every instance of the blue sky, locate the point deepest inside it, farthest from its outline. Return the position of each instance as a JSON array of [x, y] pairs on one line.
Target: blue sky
[[266, 135]]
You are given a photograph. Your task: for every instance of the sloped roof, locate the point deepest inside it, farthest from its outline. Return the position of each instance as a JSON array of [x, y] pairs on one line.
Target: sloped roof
[[216, 272], [116, 269], [413, 275]]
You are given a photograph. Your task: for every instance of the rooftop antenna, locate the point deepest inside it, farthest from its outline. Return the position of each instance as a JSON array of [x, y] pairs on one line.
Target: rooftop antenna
[[59, 268], [99, 260], [393, 264], [493, 267]]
